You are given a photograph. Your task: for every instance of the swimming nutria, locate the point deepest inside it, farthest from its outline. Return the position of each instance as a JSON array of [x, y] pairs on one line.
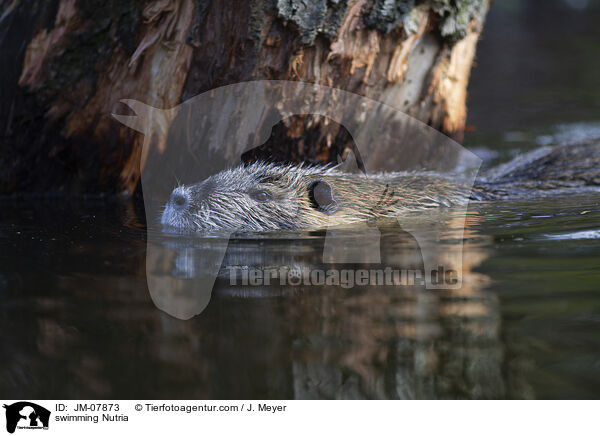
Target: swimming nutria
[[267, 196]]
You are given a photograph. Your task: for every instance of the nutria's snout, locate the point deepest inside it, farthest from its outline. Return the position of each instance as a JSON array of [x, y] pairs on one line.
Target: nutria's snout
[[176, 208]]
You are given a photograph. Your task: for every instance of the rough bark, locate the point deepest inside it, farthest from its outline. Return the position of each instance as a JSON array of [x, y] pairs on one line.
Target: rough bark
[[67, 63]]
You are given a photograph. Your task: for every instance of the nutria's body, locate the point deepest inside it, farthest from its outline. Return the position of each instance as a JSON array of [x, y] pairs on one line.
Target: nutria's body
[[263, 197]]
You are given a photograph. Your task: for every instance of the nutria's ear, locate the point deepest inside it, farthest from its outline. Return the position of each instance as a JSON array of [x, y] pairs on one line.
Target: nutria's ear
[[320, 194]]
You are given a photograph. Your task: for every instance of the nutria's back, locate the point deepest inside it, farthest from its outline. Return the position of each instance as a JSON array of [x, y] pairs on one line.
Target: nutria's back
[[544, 169], [262, 197]]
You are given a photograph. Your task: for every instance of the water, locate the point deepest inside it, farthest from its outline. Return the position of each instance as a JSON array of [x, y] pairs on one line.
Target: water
[[535, 76], [78, 320]]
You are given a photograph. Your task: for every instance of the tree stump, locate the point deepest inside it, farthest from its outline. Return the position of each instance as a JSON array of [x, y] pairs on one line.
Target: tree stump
[[67, 63]]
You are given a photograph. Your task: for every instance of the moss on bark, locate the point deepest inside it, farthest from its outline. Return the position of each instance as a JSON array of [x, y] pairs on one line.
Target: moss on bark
[[324, 17]]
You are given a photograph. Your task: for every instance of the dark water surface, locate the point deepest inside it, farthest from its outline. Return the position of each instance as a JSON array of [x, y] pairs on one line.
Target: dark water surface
[[535, 79], [77, 320]]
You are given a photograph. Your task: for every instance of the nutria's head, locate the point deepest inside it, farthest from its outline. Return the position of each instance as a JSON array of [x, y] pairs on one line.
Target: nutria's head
[[257, 197]]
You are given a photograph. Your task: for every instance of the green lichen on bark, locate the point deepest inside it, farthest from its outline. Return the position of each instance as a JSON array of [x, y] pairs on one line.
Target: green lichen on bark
[[319, 17], [387, 15], [323, 17], [454, 15]]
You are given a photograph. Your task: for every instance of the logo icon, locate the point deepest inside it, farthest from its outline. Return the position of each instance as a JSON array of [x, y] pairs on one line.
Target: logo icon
[[26, 415]]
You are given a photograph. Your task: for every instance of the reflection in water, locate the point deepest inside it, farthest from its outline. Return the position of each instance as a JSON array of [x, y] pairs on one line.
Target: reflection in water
[[362, 342], [353, 341], [181, 269], [77, 319]]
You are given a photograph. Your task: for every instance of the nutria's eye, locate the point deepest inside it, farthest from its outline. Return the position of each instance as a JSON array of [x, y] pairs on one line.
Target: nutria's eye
[[261, 196]]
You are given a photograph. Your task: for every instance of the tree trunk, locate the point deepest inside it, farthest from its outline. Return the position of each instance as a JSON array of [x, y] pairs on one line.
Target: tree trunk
[[67, 63]]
